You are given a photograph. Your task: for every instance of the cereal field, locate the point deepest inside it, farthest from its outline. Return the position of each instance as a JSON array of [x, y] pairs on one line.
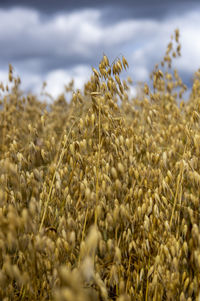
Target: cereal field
[[100, 194]]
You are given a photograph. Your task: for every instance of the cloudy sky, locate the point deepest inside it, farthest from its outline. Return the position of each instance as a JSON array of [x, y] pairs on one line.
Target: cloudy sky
[[55, 41]]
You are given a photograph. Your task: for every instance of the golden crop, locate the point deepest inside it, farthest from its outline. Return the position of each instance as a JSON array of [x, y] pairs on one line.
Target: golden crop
[[100, 195]]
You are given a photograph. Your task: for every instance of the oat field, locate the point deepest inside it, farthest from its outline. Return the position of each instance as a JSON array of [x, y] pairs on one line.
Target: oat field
[[100, 194]]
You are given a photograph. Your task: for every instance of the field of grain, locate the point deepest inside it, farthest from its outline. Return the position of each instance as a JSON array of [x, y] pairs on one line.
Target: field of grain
[[100, 194]]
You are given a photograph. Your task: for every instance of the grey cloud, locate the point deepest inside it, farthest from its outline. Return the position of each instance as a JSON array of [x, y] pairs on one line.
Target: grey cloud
[[50, 47], [66, 39]]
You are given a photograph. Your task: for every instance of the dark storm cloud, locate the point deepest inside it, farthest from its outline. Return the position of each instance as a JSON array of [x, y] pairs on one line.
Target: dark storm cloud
[[115, 9]]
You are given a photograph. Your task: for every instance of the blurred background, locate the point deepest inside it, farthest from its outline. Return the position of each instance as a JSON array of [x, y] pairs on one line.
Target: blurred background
[[55, 41]]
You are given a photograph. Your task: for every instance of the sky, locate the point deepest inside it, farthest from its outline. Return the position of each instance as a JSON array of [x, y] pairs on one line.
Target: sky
[[55, 41]]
